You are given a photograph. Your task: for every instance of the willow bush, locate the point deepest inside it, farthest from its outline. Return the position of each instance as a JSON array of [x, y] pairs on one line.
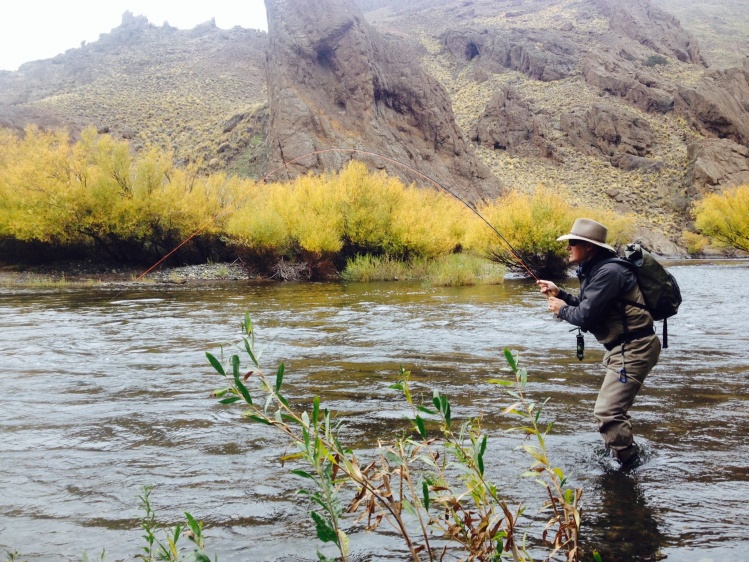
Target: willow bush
[[329, 219], [96, 195], [724, 218], [428, 485]]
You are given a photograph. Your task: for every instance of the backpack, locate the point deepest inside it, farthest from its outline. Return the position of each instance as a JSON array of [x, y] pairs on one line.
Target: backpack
[[659, 287]]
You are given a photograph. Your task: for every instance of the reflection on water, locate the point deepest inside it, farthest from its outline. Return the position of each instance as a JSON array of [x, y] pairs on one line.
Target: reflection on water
[[106, 392]]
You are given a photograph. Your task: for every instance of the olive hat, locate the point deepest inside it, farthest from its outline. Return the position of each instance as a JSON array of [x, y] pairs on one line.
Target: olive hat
[[589, 231]]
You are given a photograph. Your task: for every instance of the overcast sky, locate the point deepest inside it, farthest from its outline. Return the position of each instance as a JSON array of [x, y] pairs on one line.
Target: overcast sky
[[40, 29]]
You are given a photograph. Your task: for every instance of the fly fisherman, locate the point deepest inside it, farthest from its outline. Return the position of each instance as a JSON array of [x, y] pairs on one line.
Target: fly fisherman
[[627, 333]]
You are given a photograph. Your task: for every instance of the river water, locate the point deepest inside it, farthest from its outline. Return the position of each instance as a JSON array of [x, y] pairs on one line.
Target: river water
[[107, 390]]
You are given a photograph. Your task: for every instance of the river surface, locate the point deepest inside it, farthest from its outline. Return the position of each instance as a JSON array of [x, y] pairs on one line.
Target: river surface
[[107, 390]]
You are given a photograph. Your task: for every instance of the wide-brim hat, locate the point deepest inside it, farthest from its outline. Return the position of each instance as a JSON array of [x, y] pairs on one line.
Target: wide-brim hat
[[589, 231]]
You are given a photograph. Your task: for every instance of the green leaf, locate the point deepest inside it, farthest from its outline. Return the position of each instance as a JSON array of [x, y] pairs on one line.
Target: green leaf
[[216, 365], [436, 400], [248, 349], [597, 556], [195, 527], [420, 427], [324, 531], [511, 360], [426, 410], [408, 506], [230, 400], [303, 474], [500, 382], [279, 376], [315, 411], [393, 459], [257, 418], [425, 493], [480, 458], [238, 381]]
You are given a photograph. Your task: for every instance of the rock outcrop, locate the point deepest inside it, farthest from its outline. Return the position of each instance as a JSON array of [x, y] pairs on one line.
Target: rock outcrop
[[620, 78], [719, 105], [613, 132], [510, 123], [542, 55], [336, 83], [651, 27], [716, 164]]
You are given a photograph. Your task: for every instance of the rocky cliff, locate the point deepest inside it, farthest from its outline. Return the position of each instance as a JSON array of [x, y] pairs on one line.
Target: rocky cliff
[[335, 82]]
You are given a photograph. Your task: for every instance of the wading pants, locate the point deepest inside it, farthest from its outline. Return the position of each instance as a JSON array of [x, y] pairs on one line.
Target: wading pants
[[616, 397]]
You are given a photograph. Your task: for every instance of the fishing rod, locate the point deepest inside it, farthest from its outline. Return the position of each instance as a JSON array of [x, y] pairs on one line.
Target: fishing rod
[[359, 151]]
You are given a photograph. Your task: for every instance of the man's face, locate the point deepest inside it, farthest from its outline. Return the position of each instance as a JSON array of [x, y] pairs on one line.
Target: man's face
[[579, 251]]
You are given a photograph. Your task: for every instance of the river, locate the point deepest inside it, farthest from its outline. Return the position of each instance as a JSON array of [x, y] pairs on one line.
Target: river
[[106, 390]]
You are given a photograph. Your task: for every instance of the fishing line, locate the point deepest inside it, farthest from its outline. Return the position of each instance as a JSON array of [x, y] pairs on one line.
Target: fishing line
[[354, 150]]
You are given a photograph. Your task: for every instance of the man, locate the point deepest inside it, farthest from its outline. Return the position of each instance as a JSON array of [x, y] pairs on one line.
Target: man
[[626, 331]]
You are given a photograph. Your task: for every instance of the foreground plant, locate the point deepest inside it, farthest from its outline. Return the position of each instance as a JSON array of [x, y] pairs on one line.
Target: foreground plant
[[429, 485], [168, 548]]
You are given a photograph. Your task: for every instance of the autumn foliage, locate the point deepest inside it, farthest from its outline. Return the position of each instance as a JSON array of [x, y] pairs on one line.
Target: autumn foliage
[[95, 198]]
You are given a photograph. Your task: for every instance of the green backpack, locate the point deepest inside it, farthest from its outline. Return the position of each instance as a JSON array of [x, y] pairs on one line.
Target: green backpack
[[659, 287]]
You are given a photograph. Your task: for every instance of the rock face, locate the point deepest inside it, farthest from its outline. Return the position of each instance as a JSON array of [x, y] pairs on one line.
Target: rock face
[[509, 123], [715, 164], [651, 27], [543, 55], [620, 78], [609, 131], [336, 83], [719, 104]]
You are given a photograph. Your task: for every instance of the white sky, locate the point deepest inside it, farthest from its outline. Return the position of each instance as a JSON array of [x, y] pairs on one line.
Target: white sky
[[41, 29]]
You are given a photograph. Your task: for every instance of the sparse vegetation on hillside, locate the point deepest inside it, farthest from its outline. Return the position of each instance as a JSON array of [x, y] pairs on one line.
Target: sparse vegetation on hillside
[[721, 27]]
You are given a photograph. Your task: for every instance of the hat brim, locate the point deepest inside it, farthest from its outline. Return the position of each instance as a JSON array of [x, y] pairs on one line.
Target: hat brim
[[576, 237]]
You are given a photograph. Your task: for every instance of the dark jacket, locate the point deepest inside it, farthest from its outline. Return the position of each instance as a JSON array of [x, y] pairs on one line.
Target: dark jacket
[[599, 309]]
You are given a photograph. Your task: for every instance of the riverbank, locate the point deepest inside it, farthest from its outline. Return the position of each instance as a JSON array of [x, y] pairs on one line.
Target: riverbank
[[88, 272]]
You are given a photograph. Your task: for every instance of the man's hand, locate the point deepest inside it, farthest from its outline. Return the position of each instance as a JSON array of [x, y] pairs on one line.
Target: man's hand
[[555, 305], [548, 288]]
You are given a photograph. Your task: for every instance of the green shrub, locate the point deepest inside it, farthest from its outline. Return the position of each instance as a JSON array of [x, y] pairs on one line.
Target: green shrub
[[656, 60]]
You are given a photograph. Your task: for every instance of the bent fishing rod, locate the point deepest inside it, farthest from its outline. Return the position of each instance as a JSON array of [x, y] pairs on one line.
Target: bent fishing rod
[[359, 151]]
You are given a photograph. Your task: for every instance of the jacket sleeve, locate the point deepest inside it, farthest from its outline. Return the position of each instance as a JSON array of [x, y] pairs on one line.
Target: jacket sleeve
[[571, 300], [606, 285]]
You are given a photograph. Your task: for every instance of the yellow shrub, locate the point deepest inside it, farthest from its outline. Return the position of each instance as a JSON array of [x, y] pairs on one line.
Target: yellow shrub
[[725, 218], [531, 224], [260, 223], [314, 216], [427, 223]]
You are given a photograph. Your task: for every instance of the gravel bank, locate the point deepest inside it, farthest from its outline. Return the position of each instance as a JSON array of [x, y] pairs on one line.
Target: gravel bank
[[89, 272]]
